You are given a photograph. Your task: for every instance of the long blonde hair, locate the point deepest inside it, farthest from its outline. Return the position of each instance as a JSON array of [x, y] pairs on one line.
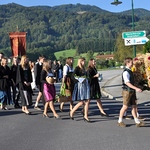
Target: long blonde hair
[[24, 63], [46, 65], [80, 64]]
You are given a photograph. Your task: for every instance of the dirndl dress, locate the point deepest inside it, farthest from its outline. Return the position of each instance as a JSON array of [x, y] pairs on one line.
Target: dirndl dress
[[81, 90], [49, 92]]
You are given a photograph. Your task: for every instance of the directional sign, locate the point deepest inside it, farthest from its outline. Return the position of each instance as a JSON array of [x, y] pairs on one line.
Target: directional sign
[[135, 41], [133, 34]]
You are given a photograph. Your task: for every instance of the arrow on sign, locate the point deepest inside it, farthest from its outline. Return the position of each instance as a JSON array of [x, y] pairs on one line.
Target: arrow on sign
[[135, 41]]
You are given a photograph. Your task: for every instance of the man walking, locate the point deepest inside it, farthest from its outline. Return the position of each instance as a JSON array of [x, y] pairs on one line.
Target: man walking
[[129, 94], [37, 74]]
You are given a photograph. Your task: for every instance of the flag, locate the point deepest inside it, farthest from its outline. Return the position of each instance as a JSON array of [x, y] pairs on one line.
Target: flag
[[18, 43]]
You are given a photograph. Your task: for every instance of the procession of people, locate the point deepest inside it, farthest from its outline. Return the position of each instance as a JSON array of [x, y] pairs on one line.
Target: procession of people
[[79, 84]]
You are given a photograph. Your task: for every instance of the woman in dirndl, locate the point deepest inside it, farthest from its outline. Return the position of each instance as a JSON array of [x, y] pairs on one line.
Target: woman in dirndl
[[67, 81], [95, 92], [48, 88], [81, 92]]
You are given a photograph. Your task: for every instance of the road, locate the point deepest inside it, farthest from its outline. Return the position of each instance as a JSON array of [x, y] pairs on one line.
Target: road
[[33, 132]]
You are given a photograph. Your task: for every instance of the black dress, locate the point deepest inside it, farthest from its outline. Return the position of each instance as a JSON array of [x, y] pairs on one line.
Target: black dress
[[13, 77], [95, 92], [55, 69], [37, 74], [24, 75]]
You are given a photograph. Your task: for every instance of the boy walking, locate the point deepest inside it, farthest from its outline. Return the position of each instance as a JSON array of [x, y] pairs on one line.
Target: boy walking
[[129, 94]]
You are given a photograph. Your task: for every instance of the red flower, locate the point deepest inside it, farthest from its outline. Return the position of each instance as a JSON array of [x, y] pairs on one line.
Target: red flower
[[136, 59]]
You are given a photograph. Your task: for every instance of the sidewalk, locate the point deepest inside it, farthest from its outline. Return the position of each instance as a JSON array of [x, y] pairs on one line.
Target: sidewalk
[[113, 90]]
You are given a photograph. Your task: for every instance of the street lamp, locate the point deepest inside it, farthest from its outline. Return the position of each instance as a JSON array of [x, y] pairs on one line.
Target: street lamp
[[116, 2]]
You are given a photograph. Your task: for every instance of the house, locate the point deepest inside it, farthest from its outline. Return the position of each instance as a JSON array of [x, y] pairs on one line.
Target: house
[[106, 57]]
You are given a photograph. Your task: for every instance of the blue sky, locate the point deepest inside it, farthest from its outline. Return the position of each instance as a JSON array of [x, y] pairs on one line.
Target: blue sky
[[103, 4]]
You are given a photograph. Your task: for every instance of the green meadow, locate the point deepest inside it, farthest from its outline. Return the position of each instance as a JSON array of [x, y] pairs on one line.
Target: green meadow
[[70, 53]]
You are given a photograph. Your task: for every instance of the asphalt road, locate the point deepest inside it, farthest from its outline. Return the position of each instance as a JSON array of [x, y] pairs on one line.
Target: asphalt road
[[33, 132]]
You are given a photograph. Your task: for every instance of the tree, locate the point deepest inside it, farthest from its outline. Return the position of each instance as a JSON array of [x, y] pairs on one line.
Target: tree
[[122, 50], [89, 55], [146, 48]]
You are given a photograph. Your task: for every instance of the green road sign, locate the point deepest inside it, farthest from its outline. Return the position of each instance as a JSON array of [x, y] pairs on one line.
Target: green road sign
[[133, 34]]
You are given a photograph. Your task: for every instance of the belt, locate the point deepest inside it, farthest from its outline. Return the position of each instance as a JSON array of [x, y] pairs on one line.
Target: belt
[[129, 90]]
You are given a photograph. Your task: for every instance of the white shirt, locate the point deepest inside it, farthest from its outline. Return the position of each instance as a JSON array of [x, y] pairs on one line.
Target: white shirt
[[126, 76], [65, 70]]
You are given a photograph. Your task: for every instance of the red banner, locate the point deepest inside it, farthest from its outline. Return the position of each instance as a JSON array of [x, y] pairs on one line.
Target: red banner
[[18, 43]]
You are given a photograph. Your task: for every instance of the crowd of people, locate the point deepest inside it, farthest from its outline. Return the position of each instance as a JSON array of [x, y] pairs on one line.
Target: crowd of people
[[80, 83]]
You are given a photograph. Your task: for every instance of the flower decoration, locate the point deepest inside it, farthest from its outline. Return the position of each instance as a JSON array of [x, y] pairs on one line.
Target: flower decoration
[[133, 69], [148, 58], [148, 68], [135, 59]]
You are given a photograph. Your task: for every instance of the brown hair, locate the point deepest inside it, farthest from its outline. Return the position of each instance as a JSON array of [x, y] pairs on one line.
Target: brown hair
[[90, 64], [13, 60], [4, 58], [68, 61], [31, 64], [127, 60]]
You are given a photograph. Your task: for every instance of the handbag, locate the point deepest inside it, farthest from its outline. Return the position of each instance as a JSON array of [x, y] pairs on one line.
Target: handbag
[[64, 91], [62, 98], [50, 80]]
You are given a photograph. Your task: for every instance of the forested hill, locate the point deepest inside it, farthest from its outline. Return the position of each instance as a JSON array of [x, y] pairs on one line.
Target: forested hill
[[75, 8], [82, 27]]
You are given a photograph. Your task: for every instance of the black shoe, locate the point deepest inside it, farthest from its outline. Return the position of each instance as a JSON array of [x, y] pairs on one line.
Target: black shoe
[[87, 120], [56, 117], [27, 113], [72, 118], [104, 115], [17, 106], [61, 110]]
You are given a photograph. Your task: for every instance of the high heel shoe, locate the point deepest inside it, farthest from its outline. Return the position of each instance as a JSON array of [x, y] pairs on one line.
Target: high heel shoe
[[56, 117], [72, 118], [60, 109], [45, 116], [87, 120]]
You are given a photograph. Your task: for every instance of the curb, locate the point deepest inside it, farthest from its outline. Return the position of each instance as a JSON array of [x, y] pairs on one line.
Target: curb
[[107, 94], [110, 96]]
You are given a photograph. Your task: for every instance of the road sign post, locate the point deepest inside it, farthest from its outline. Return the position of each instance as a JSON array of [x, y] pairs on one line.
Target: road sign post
[[134, 38]]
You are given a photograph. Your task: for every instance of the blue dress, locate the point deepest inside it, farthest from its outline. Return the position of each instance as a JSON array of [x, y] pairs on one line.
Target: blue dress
[[81, 88]]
